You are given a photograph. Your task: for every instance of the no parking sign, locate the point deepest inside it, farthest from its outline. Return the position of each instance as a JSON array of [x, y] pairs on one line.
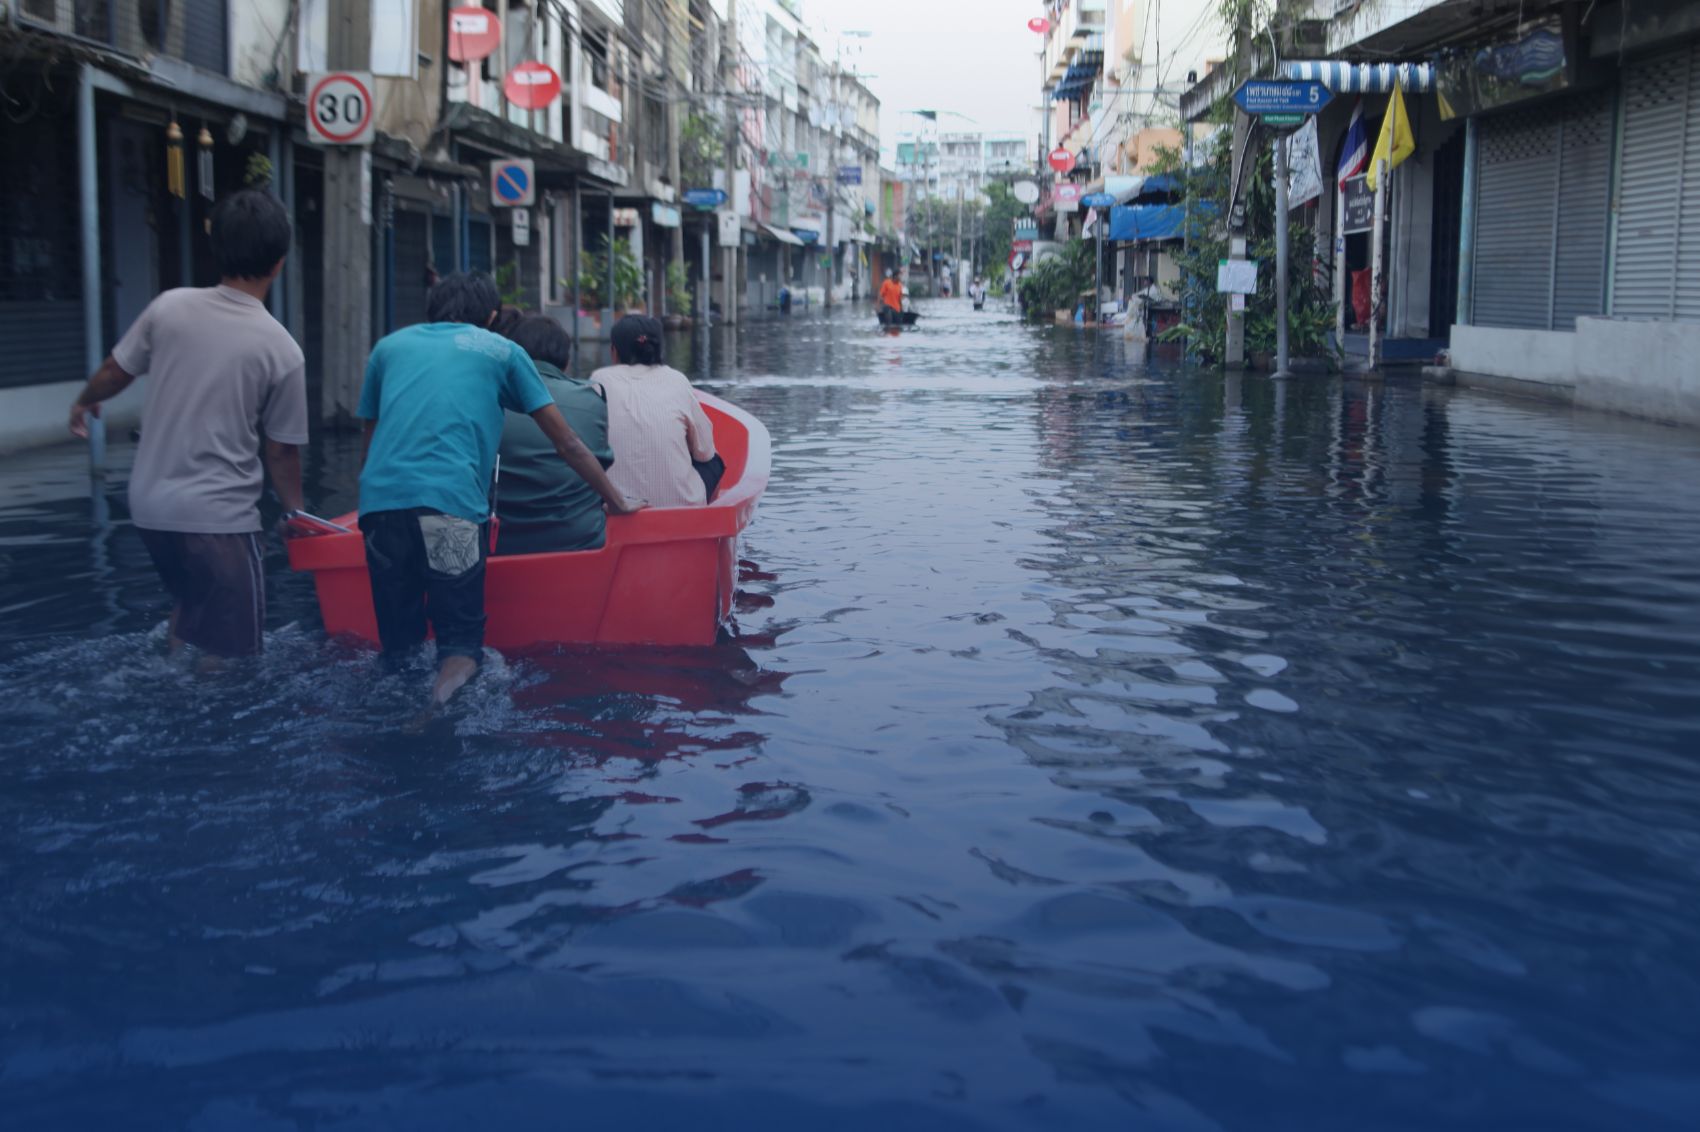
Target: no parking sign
[[513, 183]]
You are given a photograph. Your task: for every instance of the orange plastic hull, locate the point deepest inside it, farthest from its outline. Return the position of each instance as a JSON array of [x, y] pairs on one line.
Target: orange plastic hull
[[664, 577]]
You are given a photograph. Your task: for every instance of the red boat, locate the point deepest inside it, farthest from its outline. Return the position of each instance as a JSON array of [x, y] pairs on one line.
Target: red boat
[[663, 577]]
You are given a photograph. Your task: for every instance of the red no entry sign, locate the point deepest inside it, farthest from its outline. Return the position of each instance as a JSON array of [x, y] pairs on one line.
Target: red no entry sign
[[339, 108], [474, 34], [1039, 25], [532, 86], [1061, 159]]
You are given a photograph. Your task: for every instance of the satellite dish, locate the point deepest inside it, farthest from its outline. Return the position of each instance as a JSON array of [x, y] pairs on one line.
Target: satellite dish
[[1026, 192]]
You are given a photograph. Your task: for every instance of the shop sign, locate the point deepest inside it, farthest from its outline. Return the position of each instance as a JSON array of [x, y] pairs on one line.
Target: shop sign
[[1360, 206], [664, 215]]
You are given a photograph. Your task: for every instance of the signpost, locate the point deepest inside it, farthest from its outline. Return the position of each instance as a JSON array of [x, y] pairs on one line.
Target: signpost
[[513, 183], [339, 108], [522, 227], [1286, 99], [1282, 104], [532, 86], [1104, 201], [704, 199]]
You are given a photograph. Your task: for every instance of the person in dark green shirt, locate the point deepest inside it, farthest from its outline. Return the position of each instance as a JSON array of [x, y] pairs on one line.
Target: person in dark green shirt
[[544, 505]]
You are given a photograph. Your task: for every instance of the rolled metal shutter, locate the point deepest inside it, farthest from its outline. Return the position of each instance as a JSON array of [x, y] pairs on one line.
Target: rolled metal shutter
[[1657, 255], [1584, 208], [1517, 170], [412, 257]]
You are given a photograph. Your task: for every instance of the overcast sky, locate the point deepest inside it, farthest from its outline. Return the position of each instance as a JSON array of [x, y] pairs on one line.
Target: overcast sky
[[973, 57]]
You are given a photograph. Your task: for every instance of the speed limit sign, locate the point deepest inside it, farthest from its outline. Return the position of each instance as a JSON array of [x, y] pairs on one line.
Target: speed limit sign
[[339, 108]]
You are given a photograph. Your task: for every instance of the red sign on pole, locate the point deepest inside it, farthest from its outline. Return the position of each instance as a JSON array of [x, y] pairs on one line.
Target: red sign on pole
[[474, 34], [1038, 25], [1061, 160], [532, 86]]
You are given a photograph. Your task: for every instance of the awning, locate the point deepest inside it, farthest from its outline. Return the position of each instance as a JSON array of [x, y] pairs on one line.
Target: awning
[[1362, 78], [783, 236], [1131, 223], [1081, 73]]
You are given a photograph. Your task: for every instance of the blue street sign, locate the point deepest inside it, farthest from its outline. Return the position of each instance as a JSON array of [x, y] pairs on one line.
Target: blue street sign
[[1281, 96], [513, 182], [705, 198], [849, 174], [1097, 200]]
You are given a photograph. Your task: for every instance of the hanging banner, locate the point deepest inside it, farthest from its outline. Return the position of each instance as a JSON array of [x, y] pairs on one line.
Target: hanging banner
[[1304, 165]]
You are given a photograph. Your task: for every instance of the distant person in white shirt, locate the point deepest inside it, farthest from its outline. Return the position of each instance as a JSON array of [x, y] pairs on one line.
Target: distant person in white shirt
[[222, 373], [656, 426]]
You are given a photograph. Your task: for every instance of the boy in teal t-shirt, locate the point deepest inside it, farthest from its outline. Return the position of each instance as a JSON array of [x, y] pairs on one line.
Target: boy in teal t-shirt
[[433, 404]]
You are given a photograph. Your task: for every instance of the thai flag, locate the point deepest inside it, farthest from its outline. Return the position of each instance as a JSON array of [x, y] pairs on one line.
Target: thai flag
[[1354, 155]]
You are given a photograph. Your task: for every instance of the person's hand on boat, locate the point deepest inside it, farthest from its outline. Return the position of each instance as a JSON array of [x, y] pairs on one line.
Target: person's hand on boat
[[627, 505]]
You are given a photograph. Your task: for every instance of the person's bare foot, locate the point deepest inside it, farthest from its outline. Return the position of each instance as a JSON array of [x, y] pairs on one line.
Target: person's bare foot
[[452, 674]]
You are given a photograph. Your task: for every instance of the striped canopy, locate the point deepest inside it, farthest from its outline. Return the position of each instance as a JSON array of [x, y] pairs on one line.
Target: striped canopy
[[1362, 78]]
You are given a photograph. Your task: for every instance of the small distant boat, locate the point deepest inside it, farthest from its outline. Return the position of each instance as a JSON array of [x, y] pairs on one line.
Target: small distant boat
[[665, 575], [889, 317]]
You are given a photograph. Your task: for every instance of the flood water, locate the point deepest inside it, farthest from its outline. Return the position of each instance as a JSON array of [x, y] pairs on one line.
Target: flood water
[[1098, 746]]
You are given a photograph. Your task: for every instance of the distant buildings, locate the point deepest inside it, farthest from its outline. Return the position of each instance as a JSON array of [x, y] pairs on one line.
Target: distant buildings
[[125, 122]]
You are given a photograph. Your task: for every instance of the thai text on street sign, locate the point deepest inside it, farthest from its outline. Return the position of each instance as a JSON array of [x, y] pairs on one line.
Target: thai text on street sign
[[474, 34], [339, 108], [522, 227], [704, 198], [1281, 96], [1236, 276], [513, 183], [532, 86], [1283, 121], [1097, 200], [849, 174], [1360, 206]]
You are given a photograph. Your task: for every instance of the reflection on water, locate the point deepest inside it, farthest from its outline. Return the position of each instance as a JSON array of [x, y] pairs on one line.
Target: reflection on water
[[1097, 746]]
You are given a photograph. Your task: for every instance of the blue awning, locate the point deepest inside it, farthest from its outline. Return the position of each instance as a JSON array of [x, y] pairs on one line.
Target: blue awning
[[1361, 78], [1131, 223], [1081, 73]]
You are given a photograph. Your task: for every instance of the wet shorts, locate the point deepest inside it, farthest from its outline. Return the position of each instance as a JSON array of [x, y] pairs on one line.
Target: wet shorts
[[427, 572], [218, 585]]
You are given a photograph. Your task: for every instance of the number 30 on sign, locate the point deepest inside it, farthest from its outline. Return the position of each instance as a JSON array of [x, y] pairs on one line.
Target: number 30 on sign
[[340, 110]]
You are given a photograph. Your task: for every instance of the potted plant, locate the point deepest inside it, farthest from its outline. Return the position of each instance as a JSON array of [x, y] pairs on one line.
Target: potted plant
[[678, 296]]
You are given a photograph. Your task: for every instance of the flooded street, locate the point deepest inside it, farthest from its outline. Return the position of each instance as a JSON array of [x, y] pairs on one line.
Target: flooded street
[[1098, 746]]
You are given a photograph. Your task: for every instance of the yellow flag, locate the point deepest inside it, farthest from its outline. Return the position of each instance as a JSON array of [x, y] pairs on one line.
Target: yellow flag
[[1394, 143]]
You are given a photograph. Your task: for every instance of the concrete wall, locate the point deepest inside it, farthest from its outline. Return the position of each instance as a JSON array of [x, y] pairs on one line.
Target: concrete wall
[[1639, 367], [34, 415]]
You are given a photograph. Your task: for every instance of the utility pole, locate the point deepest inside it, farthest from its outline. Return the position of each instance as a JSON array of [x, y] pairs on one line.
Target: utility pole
[[347, 294], [729, 69], [676, 234], [1281, 370], [1233, 355]]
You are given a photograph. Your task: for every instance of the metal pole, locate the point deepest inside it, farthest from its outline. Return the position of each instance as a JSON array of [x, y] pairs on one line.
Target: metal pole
[[577, 269], [1375, 260], [88, 177], [608, 295], [1281, 359], [1467, 230], [1342, 292], [707, 280], [1098, 286]]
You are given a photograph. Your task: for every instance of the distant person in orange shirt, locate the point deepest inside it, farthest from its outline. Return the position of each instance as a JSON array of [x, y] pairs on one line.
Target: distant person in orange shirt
[[891, 301]]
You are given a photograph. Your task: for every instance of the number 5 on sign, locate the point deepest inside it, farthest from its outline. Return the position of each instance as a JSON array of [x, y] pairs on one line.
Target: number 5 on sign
[[340, 108]]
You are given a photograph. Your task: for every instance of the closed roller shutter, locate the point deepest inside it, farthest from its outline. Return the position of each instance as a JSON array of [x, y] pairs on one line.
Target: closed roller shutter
[[1543, 188], [1656, 270], [41, 239], [412, 258], [1516, 219], [206, 35]]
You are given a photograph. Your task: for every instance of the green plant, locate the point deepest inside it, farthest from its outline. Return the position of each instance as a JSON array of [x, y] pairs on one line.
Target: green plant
[[702, 150], [593, 277], [678, 288], [258, 172], [509, 286], [1056, 282], [1310, 307]]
